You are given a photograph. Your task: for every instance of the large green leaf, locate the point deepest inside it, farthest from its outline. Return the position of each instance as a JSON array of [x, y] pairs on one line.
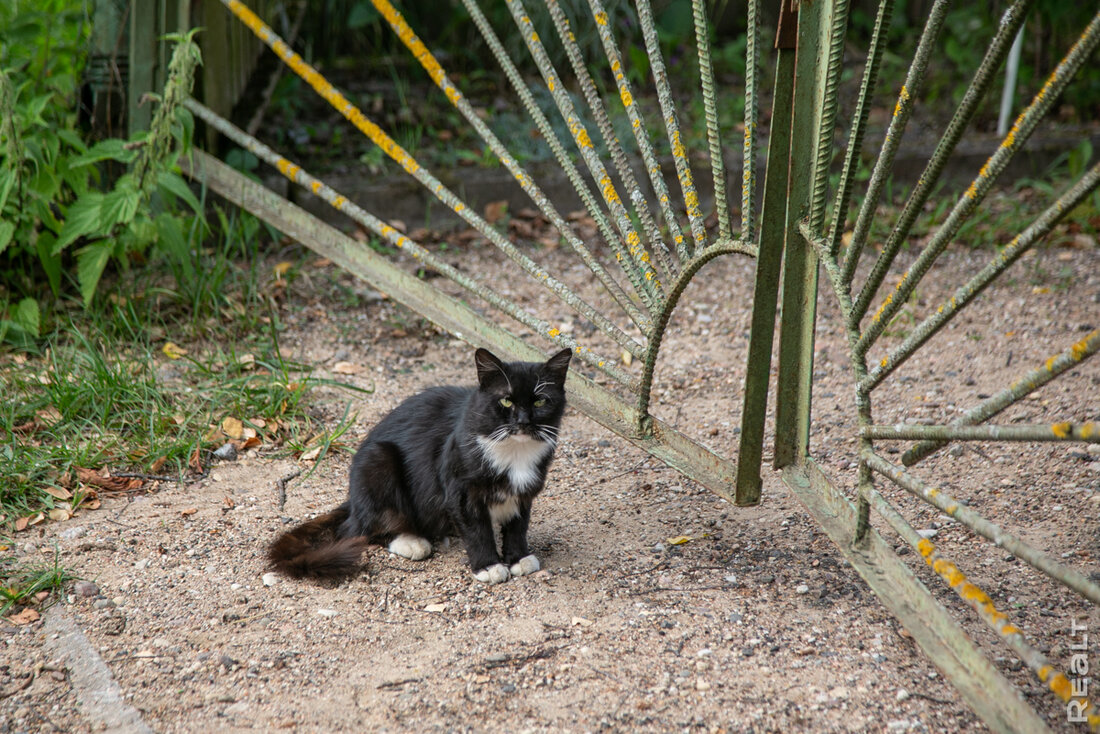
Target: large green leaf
[[120, 205], [7, 229], [51, 263], [110, 149], [175, 185], [172, 241], [90, 262], [26, 316], [84, 217]]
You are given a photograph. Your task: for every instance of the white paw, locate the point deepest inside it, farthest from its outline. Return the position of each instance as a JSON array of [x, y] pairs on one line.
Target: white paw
[[495, 574], [410, 546], [526, 565]]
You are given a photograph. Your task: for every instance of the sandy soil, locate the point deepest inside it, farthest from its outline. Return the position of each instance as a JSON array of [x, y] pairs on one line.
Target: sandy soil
[[755, 624]]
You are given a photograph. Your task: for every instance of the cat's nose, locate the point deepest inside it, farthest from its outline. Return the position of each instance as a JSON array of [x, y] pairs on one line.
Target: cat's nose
[[523, 418]]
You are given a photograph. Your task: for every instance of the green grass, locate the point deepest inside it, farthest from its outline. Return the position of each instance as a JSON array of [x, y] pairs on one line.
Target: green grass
[[103, 389], [26, 581]]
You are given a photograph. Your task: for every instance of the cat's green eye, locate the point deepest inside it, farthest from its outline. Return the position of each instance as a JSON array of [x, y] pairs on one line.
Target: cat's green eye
[[505, 403], [539, 403]]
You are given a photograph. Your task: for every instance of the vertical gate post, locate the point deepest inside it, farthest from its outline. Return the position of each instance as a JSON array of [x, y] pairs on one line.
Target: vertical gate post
[[810, 115], [772, 228]]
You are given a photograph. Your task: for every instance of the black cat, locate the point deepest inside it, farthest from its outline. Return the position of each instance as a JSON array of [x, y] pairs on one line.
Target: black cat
[[448, 460]]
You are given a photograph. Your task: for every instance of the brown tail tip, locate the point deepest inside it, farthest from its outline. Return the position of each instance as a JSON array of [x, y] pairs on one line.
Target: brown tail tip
[[298, 558]]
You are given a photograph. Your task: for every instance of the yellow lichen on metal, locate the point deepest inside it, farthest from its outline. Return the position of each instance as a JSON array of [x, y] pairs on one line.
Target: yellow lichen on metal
[[903, 98], [1088, 430], [601, 18], [553, 332], [1061, 430], [1081, 348], [315, 187], [339, 202]]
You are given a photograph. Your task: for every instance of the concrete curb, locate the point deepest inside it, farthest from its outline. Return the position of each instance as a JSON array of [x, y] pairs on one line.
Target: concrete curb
[[97, 692]]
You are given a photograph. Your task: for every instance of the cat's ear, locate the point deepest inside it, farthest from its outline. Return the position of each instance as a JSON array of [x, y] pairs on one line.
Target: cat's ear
[[489, 368], [556, 367]]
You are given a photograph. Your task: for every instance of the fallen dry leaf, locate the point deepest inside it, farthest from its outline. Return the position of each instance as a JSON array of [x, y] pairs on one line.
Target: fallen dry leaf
[[581, 621], [232, 427], [189, 511], [26, 616], [246, 361], [60, 514], [21, 523], [346, 368], [173, 350], [494, 210], [58, 492], [109, 484], [436, 607], [282, 268], [312, 454], [251, 442], [680, 540]]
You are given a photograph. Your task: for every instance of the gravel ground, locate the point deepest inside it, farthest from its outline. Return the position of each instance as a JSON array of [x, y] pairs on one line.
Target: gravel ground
[[754, 624]]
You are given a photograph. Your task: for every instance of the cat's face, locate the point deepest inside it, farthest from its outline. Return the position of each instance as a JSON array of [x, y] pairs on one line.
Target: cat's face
[[521, 401]]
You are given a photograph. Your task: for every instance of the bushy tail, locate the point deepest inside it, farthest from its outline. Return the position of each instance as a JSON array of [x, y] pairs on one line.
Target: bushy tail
[[314, 549]]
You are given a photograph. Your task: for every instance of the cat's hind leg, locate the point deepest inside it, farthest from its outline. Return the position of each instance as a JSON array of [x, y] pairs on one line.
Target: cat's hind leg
[[410, 546]]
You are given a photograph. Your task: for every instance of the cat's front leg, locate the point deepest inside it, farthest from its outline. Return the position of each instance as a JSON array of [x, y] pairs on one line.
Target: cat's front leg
[[476, 527], [517, 556]]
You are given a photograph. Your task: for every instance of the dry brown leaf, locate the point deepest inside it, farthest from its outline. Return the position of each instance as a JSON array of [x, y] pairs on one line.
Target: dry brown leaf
[[48, 415], [189, 511], [680, 540], [232, 427], [27, 616], [246, 361], [109, 484], [36, 518], [60, 514], [495, 210], [58, 492], [258, 422], [21, 524], [195, 464], [173, 350], [251, 442], [346, 368], [282, 268], [399, 225], [157, 465], [312, 454]]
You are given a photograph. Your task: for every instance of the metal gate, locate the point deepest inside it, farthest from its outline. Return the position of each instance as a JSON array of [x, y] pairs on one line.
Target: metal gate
[[656, 228]]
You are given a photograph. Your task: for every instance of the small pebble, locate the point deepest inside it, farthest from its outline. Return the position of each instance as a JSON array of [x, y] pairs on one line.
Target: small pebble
[[928, 533], [85, 589], [103, 604], [902, 695], [73, 533], [802, 589], [270, 579], [227, 452], [327, 612], [702, 685]]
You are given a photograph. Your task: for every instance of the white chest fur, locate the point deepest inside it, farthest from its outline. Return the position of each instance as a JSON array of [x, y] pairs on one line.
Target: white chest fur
[[516, 456]]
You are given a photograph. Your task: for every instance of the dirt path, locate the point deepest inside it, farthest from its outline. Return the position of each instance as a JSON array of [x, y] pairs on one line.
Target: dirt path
[[754, 624]]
